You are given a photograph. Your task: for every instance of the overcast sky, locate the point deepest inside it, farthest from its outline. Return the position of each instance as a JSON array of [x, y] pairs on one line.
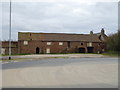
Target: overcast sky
[[60, 17]]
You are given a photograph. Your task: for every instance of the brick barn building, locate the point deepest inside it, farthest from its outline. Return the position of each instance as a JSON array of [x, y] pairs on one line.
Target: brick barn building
[[36, 43], [40, 43]]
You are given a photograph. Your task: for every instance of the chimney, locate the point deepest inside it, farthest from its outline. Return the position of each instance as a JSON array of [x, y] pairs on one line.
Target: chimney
[[102, 31], [91, 32]]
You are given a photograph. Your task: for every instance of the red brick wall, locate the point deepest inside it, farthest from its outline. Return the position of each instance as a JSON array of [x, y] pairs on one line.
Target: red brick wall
[[55, 47], [14, 47], [32, 45]]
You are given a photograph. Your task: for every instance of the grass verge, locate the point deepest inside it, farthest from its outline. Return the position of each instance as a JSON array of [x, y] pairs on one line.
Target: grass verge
[[112, 54], [14, 59]]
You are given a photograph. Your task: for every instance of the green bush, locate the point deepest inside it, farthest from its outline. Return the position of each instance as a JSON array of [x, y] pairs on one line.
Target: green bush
[[113, 42]]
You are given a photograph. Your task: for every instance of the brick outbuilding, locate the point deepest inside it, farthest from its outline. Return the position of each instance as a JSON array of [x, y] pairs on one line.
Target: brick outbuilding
[[36, 43], [5, 47]]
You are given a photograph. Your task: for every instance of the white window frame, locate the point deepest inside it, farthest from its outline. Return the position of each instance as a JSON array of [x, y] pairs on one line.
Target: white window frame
[[89, 44], [60, 43], [103, 50], [2, 51], [25, 42], [49, 43], [47, 50]]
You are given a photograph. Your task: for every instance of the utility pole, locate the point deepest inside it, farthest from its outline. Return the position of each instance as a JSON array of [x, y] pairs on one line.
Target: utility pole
[[10, 33]]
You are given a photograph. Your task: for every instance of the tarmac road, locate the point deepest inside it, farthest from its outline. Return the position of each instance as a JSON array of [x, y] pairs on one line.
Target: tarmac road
[[62, 73]]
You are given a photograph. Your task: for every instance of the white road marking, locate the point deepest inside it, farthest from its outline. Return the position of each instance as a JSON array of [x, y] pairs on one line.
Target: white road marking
[[9, 62], [15, 61], [5, 62]]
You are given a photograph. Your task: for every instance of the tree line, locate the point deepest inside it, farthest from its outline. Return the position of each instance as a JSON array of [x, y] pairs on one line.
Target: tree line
[[113, 42]]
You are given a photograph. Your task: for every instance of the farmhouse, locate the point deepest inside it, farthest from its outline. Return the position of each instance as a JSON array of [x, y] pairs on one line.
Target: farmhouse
[[40, 43]]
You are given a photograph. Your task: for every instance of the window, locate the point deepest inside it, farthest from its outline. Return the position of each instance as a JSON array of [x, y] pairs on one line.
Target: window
[[25, 42], [103, 50], [81, 43], [2, 51], [89, 44], [49, 43], [48, 50], [60, 43]]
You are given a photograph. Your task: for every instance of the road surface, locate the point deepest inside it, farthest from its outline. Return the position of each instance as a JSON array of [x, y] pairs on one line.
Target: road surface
[[61, 73]]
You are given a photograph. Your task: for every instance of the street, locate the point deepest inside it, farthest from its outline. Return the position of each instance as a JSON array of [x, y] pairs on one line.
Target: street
[[61, 73]]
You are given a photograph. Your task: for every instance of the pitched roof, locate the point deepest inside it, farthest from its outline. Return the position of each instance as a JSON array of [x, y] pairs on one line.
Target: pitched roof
[[58, 37], [71, 37], [6, 44]]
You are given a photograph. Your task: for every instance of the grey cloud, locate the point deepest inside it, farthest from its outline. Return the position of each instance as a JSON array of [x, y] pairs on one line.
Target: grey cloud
[[70, 17]]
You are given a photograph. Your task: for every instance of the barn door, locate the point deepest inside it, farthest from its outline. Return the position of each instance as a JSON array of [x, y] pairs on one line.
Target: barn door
[[90, 49], [81, 50]]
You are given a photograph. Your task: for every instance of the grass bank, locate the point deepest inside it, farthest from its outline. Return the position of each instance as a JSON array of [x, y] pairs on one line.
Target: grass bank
[[112, 54], [24, 59], [47, 54]]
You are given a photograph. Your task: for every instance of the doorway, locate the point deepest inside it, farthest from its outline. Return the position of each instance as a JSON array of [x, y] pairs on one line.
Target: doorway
[[68, 44], [90, 49], [37, 50], [81, 50]]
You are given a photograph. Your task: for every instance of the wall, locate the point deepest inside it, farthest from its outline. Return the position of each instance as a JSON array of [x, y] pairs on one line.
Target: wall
[[14, 47], [55, 47]]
